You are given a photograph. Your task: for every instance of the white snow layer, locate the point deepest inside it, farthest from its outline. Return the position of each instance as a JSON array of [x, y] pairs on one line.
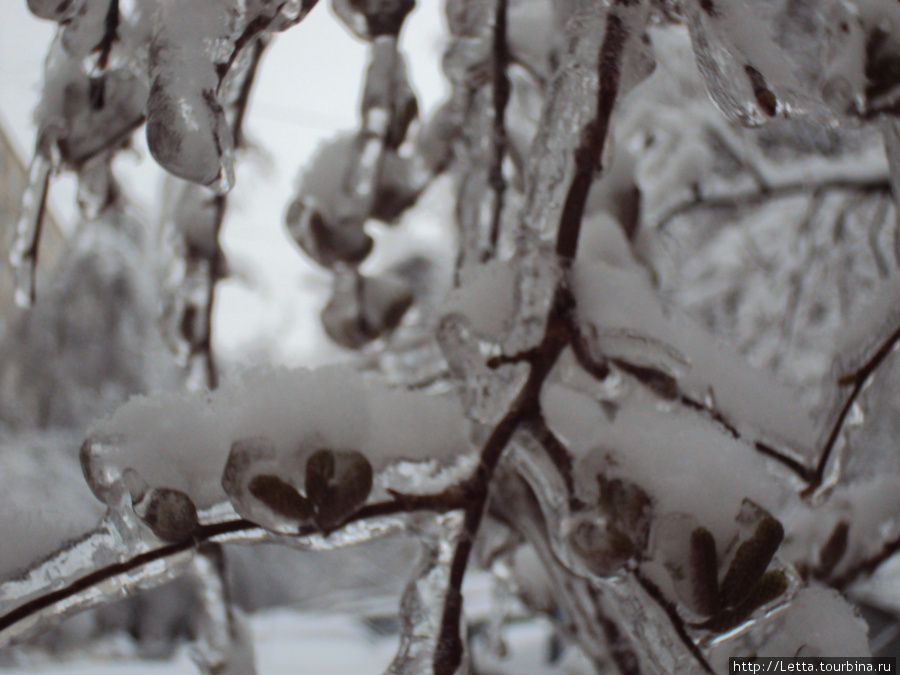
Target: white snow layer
[[618, 301], [182, 441]]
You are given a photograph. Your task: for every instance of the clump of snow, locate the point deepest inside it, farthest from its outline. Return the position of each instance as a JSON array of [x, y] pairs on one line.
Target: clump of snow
[[628, 321], [42, 498], [685, 463], [182, 441], [818, 622], [870, 508]]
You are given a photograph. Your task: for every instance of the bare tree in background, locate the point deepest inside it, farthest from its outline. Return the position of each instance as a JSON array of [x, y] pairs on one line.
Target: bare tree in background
[[651, 392]]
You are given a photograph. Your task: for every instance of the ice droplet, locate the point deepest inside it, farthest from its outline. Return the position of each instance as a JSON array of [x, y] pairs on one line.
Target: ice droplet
[[55, 10], [188, 134], [362, 309], [102, 476]]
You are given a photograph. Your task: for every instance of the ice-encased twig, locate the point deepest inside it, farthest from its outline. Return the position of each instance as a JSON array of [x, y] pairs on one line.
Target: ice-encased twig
[[23, 252], [199, 262], [224, 643], [113, 561], [584, 617], [475, 63], [422, 604]]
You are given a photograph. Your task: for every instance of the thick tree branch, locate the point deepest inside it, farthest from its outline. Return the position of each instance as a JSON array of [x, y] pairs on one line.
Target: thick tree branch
[[448, 654]]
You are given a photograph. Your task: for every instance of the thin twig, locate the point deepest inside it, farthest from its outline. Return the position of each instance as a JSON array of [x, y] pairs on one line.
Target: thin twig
[[858, 379], [441, 502], [216, 264], [868, 566], [557, 452], [501, 99], [449, 650], [677, 623], [750, 198]]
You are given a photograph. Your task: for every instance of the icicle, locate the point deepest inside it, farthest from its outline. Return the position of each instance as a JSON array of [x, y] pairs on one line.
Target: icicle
[[475, 64], [225, 644], [422, 604], [486, 393], [23, 251]]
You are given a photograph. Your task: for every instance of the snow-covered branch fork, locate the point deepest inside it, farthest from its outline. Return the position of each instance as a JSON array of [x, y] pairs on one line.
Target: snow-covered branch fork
[[545, 411]]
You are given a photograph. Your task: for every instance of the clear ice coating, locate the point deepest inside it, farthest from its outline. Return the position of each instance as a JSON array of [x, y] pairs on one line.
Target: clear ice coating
[[85, 31], [628, 513], [422, 604], [26, 239], [362, 309], [747, 75], [57, 10], [224, 645]]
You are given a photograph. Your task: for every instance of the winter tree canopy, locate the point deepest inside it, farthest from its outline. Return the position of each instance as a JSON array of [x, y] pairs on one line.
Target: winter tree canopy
[[648, 395]]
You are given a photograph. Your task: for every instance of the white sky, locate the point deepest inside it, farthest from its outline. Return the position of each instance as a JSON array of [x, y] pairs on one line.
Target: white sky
[[307, 91]]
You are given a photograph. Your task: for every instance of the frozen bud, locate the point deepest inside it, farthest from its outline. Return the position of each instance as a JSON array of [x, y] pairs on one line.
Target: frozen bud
[[399, 185], [751, 560], [617, 530], [281, 497], [170, 514], [97, 455], [99, 113], [246, 454], [369, 19], [703, 573], [55, 10], [338, 483], [253, 484], [602, 547], [188, 134], [362, 309], [85, 30], [771, 586], [325, 241]]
